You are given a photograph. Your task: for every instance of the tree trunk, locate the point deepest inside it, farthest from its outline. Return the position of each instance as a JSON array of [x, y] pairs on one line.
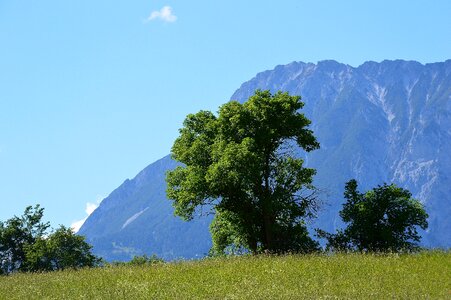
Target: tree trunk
[[268, 232]]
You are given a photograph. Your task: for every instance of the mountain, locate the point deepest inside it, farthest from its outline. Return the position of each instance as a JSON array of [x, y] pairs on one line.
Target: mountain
[[379, 122], [137, 219]]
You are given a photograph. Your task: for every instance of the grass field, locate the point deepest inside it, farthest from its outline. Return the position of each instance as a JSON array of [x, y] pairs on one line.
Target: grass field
[[426, 275]]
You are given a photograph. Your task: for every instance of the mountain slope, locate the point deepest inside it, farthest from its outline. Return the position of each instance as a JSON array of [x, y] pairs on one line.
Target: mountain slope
[[136, 219], [379, 122]]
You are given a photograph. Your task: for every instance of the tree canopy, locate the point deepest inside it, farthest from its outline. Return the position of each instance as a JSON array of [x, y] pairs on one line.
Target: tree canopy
[[25, 245], [60, 250], [242, 163], [15, 234], [383, 219]]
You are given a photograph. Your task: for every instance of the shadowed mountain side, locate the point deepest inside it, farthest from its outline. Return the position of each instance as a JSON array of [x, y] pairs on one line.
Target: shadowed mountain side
[[137, 219], [380, 122]]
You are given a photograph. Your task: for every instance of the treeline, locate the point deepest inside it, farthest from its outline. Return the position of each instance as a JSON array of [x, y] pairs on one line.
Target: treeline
[[27, 245]]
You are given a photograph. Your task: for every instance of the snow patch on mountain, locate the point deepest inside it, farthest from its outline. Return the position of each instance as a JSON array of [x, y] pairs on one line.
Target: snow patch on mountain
[[134, 217]]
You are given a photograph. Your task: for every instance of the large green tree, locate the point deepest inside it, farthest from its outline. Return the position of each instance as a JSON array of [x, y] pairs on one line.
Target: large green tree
[[385, 218], [242, 163]]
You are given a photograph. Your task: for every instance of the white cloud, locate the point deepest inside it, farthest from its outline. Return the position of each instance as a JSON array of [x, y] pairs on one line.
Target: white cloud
[[77, 224], [90, 208], [165, 14]]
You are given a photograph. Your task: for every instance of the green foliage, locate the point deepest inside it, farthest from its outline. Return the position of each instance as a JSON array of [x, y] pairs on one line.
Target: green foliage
[[62, 249], [146, 260], [241, 162], [228, 235], [140, 260], [26, 246], [424, 275], [18, 233], [383, 219]]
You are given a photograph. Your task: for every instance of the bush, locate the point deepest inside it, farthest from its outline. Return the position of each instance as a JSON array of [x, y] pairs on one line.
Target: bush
[[383, 219]]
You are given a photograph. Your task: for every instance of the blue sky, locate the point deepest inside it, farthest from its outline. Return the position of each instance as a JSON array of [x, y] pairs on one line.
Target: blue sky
[[91, 92]]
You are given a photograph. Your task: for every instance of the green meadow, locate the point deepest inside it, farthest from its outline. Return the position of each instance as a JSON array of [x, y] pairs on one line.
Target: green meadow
[[425, 275]]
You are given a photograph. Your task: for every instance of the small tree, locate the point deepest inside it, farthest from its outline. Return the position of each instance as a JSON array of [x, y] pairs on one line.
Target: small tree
[[383, 219], [61, 250], [241, 163], [18, 233], [25, 245]]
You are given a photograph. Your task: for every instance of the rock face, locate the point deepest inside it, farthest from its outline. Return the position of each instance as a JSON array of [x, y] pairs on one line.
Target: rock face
[[379, 122]]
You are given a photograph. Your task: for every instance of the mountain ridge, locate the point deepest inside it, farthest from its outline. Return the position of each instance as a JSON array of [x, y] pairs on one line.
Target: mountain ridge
[[378, 122]]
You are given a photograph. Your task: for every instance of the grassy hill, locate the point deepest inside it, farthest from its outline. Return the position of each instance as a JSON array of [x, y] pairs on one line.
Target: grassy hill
[[413, 276]]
